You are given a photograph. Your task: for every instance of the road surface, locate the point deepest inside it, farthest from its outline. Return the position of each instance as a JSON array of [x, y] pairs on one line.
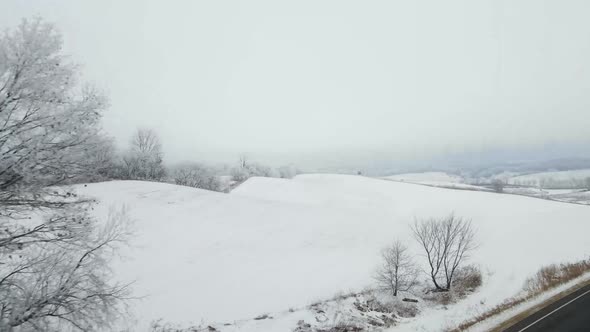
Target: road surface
[[569, 314]]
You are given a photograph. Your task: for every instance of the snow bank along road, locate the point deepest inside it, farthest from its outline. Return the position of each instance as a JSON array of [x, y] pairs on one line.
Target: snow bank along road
[[571, 313]]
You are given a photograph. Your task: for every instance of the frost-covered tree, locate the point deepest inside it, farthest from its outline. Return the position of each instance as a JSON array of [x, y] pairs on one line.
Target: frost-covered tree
[[287, 172], [144, 160], [53, 255], [55, 274], [198, 176], [246, 169], [45, 118], [239, 174], [98, 162], [398, 271]]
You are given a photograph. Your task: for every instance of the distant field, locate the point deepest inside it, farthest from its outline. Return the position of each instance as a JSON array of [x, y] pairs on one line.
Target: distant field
[[426, 177], [553, 180]]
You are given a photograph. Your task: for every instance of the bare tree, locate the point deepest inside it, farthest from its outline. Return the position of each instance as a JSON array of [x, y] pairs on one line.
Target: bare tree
[[398, 271], [146, 141], [53, 256], [144, 160], [447, 243], [243, 162]]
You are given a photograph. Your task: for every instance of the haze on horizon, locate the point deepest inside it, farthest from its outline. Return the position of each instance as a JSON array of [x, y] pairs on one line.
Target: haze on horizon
[[309, 81]]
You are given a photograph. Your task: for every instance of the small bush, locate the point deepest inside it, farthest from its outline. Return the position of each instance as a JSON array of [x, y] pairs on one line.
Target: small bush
[[498, 186], [372, 304], [468, 279], [197, 176], [344, 326], [407, 310], [341, 295], [442, 298], [302, 326]]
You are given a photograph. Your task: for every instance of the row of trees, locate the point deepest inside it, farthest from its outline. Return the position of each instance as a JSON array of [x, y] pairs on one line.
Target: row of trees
[[555, 183], [144, 161], [446, 244], [198, 176], [53, 267]]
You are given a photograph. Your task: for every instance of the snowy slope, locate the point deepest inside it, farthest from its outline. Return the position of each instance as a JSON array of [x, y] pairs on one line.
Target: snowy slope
[[426, 178], [273, 244], [558, 177]]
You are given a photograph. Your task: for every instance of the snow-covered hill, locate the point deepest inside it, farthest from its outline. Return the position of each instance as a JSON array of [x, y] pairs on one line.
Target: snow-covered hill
[[426, 178], [275, 244]]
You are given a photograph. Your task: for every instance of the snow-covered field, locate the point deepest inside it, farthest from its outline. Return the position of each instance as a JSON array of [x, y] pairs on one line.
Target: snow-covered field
[[552, 179], [275, 244], [426, 178], [535, 184]]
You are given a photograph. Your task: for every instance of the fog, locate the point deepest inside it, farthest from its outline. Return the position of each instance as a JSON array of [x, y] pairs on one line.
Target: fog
[[318, 83]]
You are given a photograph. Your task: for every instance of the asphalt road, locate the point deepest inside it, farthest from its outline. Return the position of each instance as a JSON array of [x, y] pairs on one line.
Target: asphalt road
[[569, 314]]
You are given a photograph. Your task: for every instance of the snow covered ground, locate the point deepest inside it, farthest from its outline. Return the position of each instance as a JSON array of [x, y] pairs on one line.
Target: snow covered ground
[[275, 244], [564, 179], [528, 185], [426, 178], [436, 179]]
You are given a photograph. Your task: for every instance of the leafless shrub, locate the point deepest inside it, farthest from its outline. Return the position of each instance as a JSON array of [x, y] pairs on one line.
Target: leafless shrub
[[341, 295], [498, 185], [447, 243], [398, 271], [302, 326], [442, 298], [197, 176], [246, 169], [161, 326], [467, 279], [344, 325], [406, 310]]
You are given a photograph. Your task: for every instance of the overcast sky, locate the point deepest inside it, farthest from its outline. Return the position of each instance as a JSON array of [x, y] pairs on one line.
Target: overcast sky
[[285, 81]]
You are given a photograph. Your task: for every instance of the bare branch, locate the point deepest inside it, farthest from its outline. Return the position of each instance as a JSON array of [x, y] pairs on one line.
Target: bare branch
[[447, 243]]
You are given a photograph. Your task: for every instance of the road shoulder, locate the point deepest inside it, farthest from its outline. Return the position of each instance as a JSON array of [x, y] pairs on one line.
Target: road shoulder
[[539, 308]]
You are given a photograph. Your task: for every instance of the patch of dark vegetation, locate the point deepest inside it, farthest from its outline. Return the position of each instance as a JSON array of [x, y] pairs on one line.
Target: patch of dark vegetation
[[263, 316], [467, 280], [343, 327]]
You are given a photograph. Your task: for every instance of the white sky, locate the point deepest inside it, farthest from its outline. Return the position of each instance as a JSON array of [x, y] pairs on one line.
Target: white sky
[[285, 81]]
